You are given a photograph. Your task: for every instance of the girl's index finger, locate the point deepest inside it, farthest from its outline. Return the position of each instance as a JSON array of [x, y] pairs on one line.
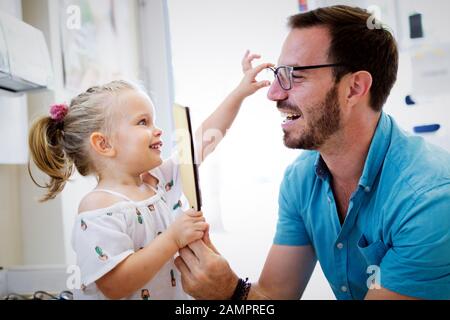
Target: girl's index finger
[[261, 67], [193, 213]]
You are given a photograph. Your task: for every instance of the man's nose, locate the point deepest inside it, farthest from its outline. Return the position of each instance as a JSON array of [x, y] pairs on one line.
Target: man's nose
[[276, 93]]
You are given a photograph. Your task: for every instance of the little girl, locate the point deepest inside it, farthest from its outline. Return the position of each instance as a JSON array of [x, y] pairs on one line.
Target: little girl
[[133, 223]]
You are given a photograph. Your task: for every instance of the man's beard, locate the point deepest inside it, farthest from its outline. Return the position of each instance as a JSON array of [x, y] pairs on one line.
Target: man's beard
[[323, 121]]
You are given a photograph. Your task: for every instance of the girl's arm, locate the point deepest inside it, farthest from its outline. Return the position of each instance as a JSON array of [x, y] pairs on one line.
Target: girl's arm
[[140, 267], [214, 128]]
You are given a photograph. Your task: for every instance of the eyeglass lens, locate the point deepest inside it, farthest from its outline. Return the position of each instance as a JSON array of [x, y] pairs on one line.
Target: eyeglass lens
[[284, 77]]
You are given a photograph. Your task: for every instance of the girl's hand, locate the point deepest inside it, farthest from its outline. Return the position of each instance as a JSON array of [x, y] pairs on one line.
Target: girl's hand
[[188, 227], [249, 85]]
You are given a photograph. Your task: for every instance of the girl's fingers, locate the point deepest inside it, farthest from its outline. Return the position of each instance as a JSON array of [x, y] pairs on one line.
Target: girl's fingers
[[247, 52], [253, 56], [246, 65], [201, 226], [193, 213], [247, 60], [198, 219], [262, 84], [260, 68]]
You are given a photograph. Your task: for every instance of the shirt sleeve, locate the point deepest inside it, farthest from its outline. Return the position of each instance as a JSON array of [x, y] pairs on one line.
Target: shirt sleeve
[[291, 229], [100, 243], [418, 263]]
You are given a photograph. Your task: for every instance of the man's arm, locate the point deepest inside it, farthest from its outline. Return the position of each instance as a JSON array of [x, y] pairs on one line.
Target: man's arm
[[205, 274], [286, 273]]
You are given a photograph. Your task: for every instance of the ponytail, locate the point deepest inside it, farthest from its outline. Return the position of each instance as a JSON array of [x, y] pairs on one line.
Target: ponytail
[[46, 142]]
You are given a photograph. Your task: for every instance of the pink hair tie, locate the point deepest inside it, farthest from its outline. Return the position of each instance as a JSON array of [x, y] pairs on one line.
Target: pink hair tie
[[58, 112]]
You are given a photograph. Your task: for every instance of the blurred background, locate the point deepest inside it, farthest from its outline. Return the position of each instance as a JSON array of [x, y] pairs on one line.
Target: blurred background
[[187, 52]]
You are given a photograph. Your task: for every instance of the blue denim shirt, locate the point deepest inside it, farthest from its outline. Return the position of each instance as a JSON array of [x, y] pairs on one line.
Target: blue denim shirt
[[397, 228]]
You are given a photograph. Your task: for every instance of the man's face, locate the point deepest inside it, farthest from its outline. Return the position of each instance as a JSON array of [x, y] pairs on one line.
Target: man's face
[[311, 109]]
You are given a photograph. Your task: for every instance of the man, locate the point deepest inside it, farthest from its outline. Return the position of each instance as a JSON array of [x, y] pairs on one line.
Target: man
[[371, 203]]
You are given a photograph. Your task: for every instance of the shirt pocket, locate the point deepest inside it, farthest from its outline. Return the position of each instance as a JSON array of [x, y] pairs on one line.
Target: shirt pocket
[[373, 252]]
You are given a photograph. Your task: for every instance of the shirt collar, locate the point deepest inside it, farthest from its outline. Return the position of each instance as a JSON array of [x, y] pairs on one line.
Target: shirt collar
[[320, 167], [377, 151], [375, 157]]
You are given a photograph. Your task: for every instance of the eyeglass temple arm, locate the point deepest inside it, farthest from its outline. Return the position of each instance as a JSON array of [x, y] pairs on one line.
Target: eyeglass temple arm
[[318, 66]]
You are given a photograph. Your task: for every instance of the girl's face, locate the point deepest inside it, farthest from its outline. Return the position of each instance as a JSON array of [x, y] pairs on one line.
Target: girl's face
[[136, 140]]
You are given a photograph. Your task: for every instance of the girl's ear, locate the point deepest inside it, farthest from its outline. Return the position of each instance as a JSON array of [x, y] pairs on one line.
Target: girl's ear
[[99, 142]]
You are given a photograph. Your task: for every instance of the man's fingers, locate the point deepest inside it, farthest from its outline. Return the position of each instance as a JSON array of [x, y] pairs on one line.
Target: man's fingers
[[207, 240], [200, 249], [182, 266], [189, 258], [186, 274]]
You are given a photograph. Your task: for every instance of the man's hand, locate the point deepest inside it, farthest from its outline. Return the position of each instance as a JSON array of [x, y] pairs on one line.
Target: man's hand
[[205, 274]]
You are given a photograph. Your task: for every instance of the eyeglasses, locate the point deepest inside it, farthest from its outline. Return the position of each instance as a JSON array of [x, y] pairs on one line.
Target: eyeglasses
[[285, 76]]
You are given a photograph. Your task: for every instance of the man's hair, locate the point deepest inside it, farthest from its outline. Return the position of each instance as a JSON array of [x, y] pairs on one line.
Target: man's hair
[[356, 46]]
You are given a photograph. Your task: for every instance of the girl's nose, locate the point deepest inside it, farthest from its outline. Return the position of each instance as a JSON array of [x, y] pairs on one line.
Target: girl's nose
[[157, 132]]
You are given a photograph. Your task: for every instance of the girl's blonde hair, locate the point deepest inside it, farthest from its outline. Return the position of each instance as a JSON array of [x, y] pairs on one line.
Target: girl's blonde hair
[[57, 146]]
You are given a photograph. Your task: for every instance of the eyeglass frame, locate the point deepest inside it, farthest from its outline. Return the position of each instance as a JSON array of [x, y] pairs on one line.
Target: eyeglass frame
[[297, 68]]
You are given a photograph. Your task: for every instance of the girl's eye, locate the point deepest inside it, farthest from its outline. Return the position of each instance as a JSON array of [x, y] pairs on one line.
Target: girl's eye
[[142, 122]]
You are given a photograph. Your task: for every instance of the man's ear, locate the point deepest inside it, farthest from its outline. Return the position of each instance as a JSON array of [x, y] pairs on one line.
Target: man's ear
[[99, 142], [359, 87]]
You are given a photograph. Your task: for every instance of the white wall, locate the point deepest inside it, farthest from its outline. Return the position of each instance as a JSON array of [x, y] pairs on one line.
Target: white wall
[[10, 219], [156, 63], [13, 123], [432, 108], [42, 224], [12, 110]]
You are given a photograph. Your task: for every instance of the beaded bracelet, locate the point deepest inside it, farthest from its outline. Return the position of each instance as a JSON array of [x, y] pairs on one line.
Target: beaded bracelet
[[242, 290]]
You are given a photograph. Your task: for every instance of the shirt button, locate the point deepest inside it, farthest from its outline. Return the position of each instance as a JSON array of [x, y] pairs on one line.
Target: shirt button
[[340, 245], [367, 189], [344, 289]]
